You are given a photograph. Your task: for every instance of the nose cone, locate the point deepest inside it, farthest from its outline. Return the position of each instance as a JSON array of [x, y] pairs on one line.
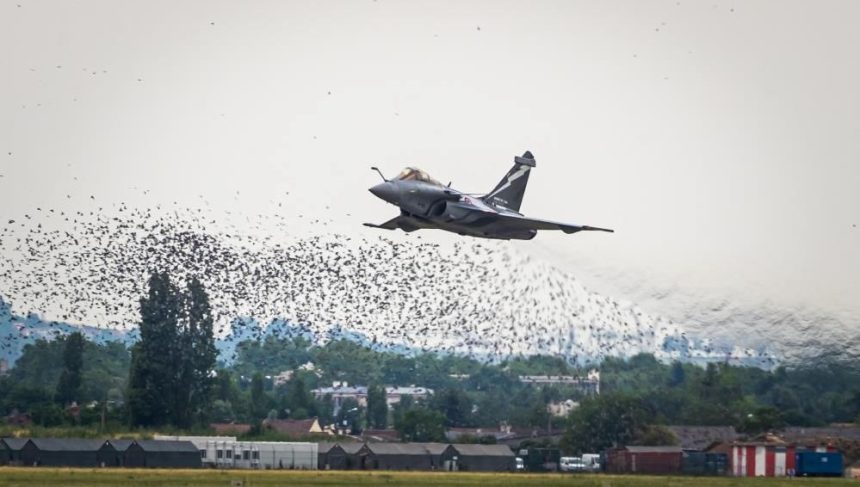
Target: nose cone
[[385, 191]]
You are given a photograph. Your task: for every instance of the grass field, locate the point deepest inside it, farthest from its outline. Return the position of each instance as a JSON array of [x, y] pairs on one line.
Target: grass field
[[12, 476]]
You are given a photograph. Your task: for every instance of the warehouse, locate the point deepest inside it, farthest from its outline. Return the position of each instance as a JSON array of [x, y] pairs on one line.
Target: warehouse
[[704, 463], [162, 454], [228, 452], [762, 459], [9, 452], [442, 456], [398, 456], [67, 452], [342, 456], [356, 455], [483, 458], [330, 456], [120, 446], [207, 445], [655, 460], [274, 455]]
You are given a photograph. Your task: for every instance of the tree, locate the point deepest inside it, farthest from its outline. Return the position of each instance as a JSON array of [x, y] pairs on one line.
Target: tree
[[677, 375], [377, 407], [153, 376], [69, 387], [422, 425], [656, 435], [604, 421], [200, 353], [761, 420], [349, 416], [299, 397], [455, 405], [258, 399]]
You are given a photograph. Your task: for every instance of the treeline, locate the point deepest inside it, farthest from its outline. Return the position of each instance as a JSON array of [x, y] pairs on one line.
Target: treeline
[[170, 378]]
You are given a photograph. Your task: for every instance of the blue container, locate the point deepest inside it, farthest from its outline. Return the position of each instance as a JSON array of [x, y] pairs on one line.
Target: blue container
[[818, 464]]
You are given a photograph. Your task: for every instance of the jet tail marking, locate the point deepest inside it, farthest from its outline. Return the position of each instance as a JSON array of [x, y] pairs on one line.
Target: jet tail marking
[[511, 189]]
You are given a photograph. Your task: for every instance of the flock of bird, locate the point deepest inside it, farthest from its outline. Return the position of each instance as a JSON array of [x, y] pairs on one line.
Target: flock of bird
[[476, 298]]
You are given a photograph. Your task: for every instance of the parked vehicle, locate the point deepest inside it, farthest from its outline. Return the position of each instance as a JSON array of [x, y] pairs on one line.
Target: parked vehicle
[[591, 461], [571, 464], [541, 459], [519, 465]]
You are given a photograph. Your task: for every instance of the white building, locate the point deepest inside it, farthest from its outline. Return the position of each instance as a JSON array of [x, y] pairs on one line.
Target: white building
[[227, 452], [340, 391], [590, 384]]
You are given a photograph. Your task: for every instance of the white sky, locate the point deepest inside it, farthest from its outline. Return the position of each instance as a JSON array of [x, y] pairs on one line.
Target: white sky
[[720, 139]]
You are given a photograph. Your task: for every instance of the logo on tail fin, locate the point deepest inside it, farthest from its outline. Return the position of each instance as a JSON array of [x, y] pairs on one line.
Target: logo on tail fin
[[511, 189]]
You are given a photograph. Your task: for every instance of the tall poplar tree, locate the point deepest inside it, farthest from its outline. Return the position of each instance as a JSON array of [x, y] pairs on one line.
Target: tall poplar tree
[[377, 407], [153, 378], [69, 387], [196, 359]]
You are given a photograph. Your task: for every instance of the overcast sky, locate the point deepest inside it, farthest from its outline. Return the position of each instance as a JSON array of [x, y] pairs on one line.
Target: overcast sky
[[720, 139]]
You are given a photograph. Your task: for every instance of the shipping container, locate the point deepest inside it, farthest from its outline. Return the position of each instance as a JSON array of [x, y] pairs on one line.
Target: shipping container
[[701, 463], [818, 464], [654, 460]]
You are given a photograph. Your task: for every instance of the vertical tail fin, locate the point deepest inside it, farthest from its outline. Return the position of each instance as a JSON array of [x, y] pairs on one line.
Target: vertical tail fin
[[510, 190]]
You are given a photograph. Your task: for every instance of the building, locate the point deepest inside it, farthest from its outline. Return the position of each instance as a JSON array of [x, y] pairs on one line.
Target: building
[[330, 456], [18, 418], [341, 391], [399, 456], [342, 456], [415, 456], [369, 434], [482, 458], [274, 455], [67, 452], [503, 433], [393, 395], [10, 450], [700, 438], [206, 445], [296, 427], [356, 455], [653, 460], [5, 453], [821, 435], [704, 463], [121, 446], [769, 457], [162, 454], [589, 384], [762, 459], [228, 452]]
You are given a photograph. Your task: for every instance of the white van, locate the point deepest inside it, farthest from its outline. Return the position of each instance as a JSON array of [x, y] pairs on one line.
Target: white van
[[591, 462], [571, 464]]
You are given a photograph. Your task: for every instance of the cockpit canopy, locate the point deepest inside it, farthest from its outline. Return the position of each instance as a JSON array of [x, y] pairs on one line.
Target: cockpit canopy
[[415, 174]]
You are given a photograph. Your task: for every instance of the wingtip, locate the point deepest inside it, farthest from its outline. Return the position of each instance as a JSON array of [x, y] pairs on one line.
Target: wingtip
[[598, 229]]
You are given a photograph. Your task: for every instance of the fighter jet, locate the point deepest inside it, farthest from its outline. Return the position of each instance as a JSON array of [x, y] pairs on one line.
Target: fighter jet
[[427, 203]]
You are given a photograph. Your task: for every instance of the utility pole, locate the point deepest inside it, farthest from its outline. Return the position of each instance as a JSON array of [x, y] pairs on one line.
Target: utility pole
[[104, 412]]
